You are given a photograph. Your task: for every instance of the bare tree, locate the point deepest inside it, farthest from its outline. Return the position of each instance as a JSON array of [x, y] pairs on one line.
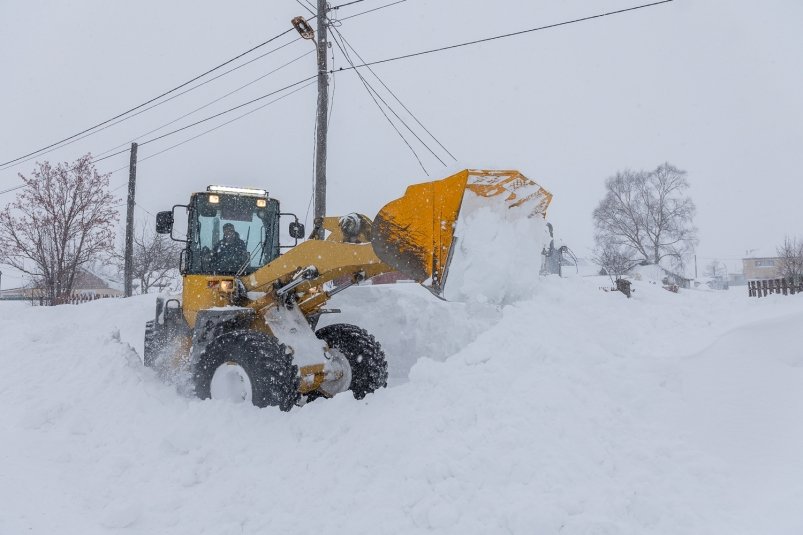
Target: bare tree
[[715, 269], [614, 259], [155, 259], [63, 218], [647, 213], [790, 254]]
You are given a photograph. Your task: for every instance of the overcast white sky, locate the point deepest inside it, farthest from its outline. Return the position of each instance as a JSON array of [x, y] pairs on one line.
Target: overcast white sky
[[712, 86]]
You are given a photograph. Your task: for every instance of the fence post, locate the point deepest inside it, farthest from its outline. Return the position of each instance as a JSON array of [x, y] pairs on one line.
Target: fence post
[[764, 287]]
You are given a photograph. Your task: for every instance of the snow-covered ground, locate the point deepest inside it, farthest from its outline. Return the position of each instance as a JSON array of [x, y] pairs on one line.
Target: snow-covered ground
[[573, 411]]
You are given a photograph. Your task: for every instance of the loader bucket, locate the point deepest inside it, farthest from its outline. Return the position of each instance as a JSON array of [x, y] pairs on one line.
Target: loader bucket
[[417, 233]]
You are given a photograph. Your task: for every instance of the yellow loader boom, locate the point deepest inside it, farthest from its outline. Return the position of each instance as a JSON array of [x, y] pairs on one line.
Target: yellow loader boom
[[249, 335]]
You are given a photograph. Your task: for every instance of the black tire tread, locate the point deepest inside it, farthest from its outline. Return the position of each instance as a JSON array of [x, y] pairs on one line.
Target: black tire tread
[[369, 368], [274, 377]]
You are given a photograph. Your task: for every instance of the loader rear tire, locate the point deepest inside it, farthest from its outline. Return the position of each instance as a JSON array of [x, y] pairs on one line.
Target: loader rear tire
[[369, 369], [269, 366]]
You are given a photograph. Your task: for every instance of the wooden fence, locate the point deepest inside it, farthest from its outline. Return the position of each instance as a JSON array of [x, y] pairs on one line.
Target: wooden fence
[[74, 299], [774, 286]]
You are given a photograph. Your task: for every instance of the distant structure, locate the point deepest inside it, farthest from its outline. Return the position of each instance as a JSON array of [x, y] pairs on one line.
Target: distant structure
[[87, 287], [761, 268]]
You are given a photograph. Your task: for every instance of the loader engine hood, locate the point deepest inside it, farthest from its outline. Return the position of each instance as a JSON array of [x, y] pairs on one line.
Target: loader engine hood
[[417, 233]]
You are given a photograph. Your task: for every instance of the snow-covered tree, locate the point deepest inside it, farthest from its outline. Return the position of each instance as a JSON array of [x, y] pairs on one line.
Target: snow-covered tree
[[615, 259], [62, 219], [647, 213], [790, 255], [155, 259]]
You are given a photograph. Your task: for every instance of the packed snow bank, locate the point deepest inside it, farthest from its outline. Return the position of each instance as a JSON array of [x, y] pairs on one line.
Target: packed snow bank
[[411, 324], [574, 411]]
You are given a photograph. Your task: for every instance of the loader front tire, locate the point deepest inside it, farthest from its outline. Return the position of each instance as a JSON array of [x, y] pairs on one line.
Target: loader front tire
[[267, 364], [369, 369]]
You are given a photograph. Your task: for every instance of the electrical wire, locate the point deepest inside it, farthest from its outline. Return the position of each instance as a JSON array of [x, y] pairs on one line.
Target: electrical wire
[[346, 4], [314, 161], [512, 34], [143, 110], [202, 121], [371, 92], [180, 86], [9, 190], [302, 4], [372, 10], [395, 97], [201, 107], [224, 112], [332, 95], [249, 112], [143, 209], [390, 108]]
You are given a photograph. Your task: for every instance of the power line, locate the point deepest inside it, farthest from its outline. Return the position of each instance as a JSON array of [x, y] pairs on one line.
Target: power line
[[249, 112], [9, 190], [188, 82], [224, 123], [395, 97], [143, 110], [224, 112], [372, 10], [389, 107], [201, 107], [512, 34], [346, 4], [371, 92], [143, 209], [95, 160], [302, 4]]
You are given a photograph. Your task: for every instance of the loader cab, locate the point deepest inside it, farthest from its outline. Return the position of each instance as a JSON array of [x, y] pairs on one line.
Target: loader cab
[[230, 231]]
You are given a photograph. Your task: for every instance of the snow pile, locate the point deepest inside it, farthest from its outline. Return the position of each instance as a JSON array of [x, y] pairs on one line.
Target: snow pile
[[411, 324], [574, 411], [497, 254]]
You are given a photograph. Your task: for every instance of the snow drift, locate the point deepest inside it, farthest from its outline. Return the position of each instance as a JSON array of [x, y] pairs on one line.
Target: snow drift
[[571, 411]]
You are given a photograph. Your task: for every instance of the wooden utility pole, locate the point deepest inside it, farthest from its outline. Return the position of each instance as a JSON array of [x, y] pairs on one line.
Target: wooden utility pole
[[129, 221], [322, 122]]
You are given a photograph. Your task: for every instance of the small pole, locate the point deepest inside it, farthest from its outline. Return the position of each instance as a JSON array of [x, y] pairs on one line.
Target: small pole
[[129, 222], [322, 120], [695, 267]]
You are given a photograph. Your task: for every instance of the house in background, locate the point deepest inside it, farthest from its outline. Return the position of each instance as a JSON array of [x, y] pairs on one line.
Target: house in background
[[761, 268], [86, 287]]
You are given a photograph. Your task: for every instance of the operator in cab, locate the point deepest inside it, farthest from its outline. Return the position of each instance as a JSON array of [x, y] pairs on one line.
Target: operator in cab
[[230, 253]]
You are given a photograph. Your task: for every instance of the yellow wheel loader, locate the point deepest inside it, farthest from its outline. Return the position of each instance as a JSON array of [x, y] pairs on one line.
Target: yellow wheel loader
[[244, 327]]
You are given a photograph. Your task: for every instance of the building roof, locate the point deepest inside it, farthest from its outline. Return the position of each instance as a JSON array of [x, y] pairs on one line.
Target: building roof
[[84, 280]]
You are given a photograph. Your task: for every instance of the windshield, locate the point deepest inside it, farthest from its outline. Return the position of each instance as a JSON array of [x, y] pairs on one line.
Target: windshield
[[231, 234]]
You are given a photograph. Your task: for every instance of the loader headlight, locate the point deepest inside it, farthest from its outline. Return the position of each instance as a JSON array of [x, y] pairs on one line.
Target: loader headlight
[[226, 286], [214, 199]]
